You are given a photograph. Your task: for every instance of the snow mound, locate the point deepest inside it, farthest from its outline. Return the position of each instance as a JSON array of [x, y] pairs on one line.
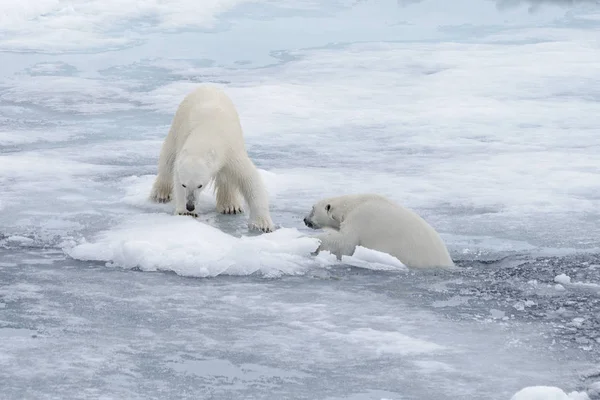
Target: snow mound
[[562, 279], [565, 280], [547, 393], [189, 247], [372, 259]]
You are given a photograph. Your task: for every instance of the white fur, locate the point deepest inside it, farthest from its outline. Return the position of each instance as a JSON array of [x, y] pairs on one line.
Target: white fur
[[374, 222], [205, 144]]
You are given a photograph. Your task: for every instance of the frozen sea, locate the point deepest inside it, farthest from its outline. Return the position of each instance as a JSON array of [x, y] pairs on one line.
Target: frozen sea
[[481, 115]]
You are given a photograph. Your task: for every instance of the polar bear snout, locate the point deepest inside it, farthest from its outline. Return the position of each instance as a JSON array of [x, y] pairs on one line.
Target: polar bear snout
[[190, 200], [307, 222]]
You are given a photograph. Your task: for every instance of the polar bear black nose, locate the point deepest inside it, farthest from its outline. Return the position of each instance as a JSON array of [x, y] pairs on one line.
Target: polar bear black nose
[[307, 222], [190, 207]]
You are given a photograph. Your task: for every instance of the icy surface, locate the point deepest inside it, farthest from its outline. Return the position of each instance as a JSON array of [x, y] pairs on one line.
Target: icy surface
[[482, 116]]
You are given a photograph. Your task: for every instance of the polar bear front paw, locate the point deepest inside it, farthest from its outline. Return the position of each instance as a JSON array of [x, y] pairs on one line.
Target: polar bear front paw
[[230, 209], [318, 249], [191, 214], [162, 199], [161, 193], [262, 224]]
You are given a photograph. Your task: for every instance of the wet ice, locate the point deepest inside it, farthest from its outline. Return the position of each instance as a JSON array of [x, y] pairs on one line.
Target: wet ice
[[483, 121]]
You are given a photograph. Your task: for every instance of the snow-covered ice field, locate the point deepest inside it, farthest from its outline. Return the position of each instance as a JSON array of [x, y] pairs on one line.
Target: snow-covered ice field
[[481, 115]]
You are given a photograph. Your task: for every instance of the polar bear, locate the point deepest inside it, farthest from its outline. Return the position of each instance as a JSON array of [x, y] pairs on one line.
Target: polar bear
[[374, 222], [205, 144]]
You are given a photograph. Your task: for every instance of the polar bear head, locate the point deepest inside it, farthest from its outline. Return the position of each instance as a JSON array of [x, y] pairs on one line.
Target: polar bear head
[[194, 174], [325, 214], [331, 212]]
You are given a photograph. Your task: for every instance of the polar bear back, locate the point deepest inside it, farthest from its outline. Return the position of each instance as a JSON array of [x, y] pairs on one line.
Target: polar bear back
[[211, 116], [382, 225]]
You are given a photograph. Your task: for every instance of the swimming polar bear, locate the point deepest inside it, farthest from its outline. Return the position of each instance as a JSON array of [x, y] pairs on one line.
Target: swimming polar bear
[[205, 143], [374, 222]]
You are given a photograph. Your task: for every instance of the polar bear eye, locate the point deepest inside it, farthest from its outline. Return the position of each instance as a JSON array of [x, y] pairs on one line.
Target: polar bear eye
[[200, 187], [328, 207], [182, 185]]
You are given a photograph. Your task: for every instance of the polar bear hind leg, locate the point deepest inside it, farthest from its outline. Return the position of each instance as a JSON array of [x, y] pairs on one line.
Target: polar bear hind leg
[[229, 199]]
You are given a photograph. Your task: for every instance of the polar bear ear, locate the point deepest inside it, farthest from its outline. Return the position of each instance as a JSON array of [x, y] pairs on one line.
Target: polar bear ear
[[328, 207]]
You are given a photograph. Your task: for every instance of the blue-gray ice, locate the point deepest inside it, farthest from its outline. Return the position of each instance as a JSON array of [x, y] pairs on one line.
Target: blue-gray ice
[[481, 115]]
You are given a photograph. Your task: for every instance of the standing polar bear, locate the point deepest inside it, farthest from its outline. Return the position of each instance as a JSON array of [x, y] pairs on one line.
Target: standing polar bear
[[376, 223], [206, 144]]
